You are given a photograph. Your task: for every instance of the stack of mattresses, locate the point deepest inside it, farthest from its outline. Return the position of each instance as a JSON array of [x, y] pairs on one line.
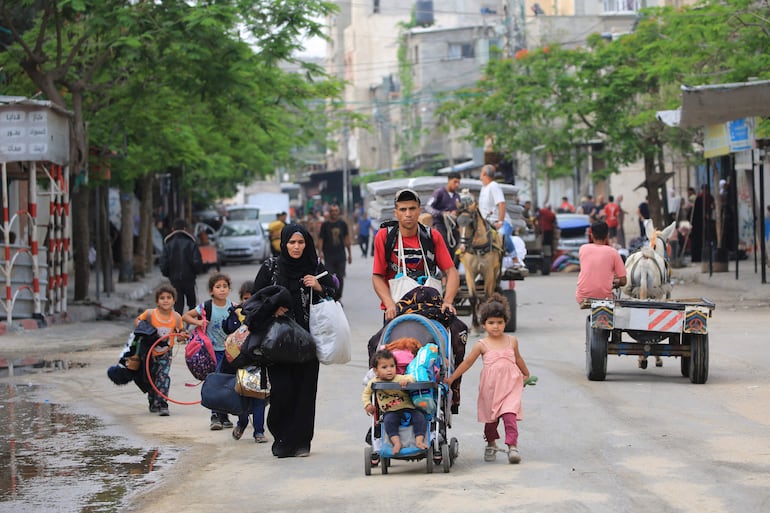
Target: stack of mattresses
[[381, 207]]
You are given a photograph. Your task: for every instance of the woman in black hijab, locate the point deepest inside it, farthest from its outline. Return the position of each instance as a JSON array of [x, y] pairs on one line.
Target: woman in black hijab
[[291, 416]]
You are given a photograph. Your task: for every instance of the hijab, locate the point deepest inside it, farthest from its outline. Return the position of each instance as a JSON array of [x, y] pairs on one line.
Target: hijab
[[293, 269]]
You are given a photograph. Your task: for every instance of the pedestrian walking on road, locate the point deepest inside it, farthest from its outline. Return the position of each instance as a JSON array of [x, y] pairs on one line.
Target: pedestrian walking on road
[[502, 378], [181, 262], [216, 310], [333, 244], [166, 321], [293, 387], [364, 232], [255, 406]]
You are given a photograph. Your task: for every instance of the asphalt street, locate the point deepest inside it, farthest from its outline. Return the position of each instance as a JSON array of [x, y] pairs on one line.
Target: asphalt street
[[643, 440]]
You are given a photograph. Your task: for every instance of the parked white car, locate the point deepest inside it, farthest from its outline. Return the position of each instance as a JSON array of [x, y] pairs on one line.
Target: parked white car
[[242, 241]]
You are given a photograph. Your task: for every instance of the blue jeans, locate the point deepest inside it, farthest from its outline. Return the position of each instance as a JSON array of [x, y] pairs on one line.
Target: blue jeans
[[391, 420], [257, 410], [506, 230]]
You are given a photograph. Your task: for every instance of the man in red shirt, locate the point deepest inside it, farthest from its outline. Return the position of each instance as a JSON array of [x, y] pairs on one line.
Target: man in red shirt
[[611, 217], [601, 268], [385, 267], [546, 222]]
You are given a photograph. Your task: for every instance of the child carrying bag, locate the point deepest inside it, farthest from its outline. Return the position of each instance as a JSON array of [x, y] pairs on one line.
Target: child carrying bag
[[199, 353]]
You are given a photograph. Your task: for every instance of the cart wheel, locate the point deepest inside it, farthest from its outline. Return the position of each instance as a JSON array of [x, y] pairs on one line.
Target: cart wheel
[[429, 464], [384, 464], [510, 295], [454, 449], [684, 366], [545, 265], [446, 460], [699, 358], [596, 352], [368, 461]]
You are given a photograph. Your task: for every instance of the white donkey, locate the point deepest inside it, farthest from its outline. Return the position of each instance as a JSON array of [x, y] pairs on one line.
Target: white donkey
[[647, 272]]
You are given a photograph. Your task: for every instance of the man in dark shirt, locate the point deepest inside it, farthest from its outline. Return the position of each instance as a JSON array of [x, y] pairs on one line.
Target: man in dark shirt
[[444, 204], [333, 241], [180, 262]]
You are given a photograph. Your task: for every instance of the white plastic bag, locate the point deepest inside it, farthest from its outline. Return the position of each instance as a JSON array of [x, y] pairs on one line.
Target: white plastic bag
[[331, 332]]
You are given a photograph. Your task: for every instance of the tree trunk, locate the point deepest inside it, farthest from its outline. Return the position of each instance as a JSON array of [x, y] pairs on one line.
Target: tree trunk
[[80, 239], [126, 236], [145, 220], [105, 247], [652, 179]]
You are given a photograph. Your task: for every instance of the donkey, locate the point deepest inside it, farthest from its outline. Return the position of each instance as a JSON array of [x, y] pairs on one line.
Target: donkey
[[648, 272], [480, 251]]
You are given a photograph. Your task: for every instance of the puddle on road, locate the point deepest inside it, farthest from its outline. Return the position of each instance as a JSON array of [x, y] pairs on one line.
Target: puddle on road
[[52, 459]]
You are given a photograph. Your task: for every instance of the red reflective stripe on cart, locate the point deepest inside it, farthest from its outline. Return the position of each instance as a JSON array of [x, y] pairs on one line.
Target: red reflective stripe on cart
[[664, 320]]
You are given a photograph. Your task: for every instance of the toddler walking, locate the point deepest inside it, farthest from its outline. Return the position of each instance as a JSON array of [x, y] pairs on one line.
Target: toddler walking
[[502, 378]]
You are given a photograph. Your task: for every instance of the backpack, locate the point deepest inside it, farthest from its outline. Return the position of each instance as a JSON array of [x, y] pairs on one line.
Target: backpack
[[426, 240], [199, 353]]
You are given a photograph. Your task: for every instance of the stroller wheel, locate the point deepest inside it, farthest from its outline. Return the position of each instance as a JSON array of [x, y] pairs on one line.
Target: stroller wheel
[[368, 461], [446, 459], [454, 449]]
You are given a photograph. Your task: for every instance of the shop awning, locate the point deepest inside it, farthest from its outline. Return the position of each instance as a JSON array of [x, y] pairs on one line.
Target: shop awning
[[719, 103]]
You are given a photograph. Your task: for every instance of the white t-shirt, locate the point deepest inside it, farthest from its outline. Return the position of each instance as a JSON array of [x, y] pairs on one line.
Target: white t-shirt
[[491, 194]]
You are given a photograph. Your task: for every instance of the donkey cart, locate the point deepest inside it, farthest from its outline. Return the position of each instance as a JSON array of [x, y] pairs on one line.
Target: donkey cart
[[657, 328], [505, 286]]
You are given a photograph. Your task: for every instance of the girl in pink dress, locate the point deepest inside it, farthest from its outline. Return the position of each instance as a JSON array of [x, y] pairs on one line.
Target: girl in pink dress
[[502, 378]]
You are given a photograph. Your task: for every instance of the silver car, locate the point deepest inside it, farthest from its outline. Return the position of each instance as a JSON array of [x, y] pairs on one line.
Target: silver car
[[242, 241]]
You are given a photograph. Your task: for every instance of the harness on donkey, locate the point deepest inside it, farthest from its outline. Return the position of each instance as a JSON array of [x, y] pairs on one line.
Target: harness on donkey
[[481, 252]]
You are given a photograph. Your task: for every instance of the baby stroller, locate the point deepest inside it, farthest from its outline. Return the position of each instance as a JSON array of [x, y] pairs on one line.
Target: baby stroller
[[433, 395]]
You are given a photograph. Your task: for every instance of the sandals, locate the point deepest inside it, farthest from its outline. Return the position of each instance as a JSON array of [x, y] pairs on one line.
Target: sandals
[[490, 453]]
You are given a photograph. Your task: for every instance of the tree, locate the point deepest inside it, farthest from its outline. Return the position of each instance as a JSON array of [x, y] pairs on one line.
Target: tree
[[103, 60]]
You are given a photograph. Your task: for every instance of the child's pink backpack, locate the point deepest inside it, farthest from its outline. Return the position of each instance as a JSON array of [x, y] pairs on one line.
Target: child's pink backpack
[[199, 352]]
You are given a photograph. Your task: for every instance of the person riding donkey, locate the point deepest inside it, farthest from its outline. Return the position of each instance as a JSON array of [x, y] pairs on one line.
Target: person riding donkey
[[492, 206]]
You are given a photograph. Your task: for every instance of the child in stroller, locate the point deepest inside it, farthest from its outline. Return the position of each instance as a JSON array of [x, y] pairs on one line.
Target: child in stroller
[[421, 349], [395, 404]]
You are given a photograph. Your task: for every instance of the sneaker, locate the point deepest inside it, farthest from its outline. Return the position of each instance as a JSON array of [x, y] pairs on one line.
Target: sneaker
[[163, 411], [238, 432], [490, 453], [260, 438], [154, 408], [375, 459], [216, 424], [302, 452], [513, 455], [226, 423]]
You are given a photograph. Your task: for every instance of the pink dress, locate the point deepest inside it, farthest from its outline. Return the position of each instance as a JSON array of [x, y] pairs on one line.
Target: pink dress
[[501, 384]]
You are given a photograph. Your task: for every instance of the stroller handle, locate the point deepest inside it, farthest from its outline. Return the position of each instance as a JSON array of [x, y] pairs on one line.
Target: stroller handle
[[416, 385]]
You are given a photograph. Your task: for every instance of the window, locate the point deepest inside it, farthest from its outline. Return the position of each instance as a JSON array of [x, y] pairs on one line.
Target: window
[[460, 51], [620, 6]]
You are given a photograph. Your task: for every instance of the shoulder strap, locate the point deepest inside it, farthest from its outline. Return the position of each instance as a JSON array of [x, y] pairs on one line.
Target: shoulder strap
[[426, 241], [207, 309]]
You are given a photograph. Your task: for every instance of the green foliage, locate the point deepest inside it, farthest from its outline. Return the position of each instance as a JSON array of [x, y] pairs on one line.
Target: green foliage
[[551, 99], [180, 85]]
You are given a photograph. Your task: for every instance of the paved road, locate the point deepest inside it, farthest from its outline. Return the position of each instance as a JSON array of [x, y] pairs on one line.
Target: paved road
[[640, 441]]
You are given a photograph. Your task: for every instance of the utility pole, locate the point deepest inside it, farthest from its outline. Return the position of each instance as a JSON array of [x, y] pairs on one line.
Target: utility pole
[[515, 26], [345, 170]]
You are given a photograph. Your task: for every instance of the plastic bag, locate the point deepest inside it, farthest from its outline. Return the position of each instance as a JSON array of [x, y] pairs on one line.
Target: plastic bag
[[331, 332], [283, 341]]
